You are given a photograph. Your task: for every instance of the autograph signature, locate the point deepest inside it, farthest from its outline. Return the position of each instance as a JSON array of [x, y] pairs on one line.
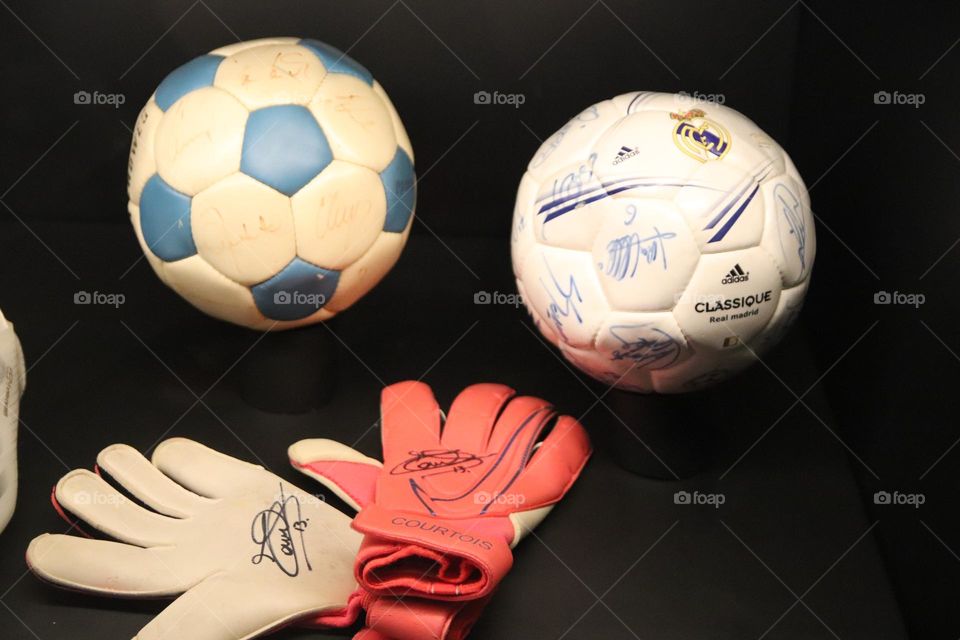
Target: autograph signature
[[572, 184], [433, 462], [626, 253], [647, 347], [559, 311], [792, 211], [277, 530]]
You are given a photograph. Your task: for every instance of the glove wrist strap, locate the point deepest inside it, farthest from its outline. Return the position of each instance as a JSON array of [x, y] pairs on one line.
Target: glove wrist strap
[[446, 559]]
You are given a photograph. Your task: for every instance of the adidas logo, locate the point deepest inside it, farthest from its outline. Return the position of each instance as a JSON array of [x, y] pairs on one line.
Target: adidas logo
[[737, 274], [625, 153]]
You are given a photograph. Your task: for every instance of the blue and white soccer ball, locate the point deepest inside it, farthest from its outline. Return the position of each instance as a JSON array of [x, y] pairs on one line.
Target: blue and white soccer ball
[[271, 182], [661, 242]]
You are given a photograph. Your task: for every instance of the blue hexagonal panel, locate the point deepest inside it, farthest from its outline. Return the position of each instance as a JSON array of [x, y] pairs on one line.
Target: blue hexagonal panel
[[400, 185], [299, 290], [165, 221], [337, 61], [284, 147], [196, 74]]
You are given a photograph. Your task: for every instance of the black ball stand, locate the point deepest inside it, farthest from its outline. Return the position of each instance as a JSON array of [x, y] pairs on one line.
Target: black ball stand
[[290, 371], [667, 437]]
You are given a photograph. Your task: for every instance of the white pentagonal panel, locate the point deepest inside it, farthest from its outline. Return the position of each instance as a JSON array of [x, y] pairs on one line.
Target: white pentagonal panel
[[751, 149], [205, 288], [364, 274], [788, 309], [237, 47], [612, 373], [573, 142], [339, 214], [545, 328], [521, 234], [641, 149], [723, 206], [355, 120], [155, 262], [644, 254], [244, 229], [271, 74], [142, 163], [730, 298], [568, 206], [707, 367], [641, 341], [789, 235], [199, 140], [399, 132], [562, 289]]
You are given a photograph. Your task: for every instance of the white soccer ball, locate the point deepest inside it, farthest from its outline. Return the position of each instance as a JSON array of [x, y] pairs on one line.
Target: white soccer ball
[[662, 242], [271, 182]]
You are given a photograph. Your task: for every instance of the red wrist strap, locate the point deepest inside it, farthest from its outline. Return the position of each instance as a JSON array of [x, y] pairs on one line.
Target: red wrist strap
[[413, 554]]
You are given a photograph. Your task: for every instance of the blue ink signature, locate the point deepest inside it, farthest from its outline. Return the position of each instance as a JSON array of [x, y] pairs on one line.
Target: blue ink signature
[[626, 252], [792, 210], [275, 528], [572, 184], [648, 346], [558, 312]]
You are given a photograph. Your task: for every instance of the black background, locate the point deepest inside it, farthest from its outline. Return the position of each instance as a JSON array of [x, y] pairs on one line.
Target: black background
[[799, 477]]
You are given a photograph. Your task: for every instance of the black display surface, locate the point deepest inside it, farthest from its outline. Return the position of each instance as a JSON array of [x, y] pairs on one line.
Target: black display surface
[[777, 529], [774, 519]]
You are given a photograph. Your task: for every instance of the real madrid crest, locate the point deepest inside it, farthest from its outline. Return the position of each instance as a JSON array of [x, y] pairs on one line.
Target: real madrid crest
[[699, 137]]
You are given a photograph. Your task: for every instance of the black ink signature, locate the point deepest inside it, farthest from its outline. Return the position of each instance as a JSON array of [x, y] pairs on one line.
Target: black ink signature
[[432, 462], [274, 529]]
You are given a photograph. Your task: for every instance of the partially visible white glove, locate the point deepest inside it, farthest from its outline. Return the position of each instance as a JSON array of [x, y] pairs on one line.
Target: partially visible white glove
[[13, 380], [248, 551]]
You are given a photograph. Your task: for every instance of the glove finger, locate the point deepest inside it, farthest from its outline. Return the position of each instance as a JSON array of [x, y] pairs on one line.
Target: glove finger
[[410, 418], [110, 568], [519, 426], [204, 471], [138, 476], [559, 458], [472, 415], [87, 496], [351, 475], [224, 608]]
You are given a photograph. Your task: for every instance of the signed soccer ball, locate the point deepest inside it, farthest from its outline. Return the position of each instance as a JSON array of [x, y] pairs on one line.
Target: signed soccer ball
[[271, 182], [662, 243]]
